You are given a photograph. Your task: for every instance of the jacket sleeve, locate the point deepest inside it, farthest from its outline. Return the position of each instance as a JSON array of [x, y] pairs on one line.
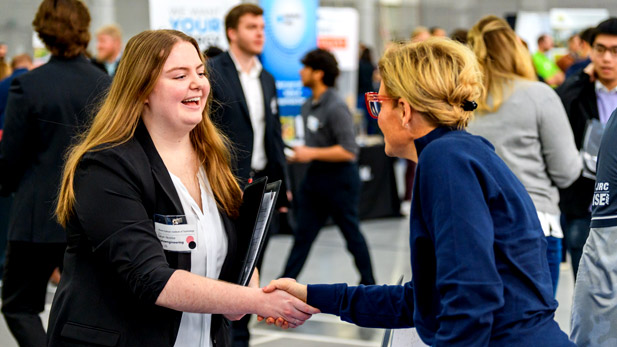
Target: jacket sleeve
[[17, 146], [281, 161], [563, 163], [367, 306], [113, 217], [457, 216]]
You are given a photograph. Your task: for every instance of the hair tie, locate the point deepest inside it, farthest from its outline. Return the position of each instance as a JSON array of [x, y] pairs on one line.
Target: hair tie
[[469, 105]]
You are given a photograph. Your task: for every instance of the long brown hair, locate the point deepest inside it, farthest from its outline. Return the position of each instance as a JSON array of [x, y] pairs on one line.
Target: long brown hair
[[120, 113], [502, 58]]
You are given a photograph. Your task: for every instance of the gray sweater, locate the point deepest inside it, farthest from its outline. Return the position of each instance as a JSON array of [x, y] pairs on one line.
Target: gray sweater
[[532, 135]]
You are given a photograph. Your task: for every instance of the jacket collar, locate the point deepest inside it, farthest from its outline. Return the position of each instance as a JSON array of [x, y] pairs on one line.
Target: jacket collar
[[436, 133], [232, 76], [255, 71], [161, 175], [159, 170]]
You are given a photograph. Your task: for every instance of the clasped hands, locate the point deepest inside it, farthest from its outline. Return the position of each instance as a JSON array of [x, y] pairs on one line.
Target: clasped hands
[[294, 288]]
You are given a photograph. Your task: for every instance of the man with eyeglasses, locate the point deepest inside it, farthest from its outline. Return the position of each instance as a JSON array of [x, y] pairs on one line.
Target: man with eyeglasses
[[589, 95]]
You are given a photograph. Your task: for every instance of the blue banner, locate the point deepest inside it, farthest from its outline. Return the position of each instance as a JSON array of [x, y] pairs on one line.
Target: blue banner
[[291, 31]]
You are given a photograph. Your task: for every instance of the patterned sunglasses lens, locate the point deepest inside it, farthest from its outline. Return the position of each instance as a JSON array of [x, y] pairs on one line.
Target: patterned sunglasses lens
[[375, 107]]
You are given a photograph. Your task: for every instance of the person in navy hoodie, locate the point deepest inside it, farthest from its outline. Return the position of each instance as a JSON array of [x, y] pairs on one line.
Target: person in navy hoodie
[[478, 253]]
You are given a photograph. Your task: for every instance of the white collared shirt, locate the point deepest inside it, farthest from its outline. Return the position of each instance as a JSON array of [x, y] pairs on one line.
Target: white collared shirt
[[601, 87], [207, 257], [254, 96]]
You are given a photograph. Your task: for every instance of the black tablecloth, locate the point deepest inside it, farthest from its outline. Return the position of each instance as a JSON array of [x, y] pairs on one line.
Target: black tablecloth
[[379, 195]]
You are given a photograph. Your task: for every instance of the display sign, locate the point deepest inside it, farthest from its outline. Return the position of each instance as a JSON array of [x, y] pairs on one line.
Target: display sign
[[290, 33], [203, 20], [338, 32]]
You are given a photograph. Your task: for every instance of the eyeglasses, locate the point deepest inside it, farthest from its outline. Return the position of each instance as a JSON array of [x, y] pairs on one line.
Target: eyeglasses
[[373, 103], [601, 49]]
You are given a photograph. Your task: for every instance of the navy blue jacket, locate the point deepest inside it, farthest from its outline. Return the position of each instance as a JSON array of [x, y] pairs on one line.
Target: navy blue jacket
[[478, 256], [604, 206]]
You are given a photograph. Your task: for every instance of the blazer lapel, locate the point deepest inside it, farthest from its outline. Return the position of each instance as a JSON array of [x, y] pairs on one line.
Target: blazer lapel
[[233, 78], [268, 95], [161, 176], [159, 170]]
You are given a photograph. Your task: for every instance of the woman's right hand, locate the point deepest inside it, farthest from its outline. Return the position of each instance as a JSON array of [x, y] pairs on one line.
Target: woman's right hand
[[289, 285], [280, 304]]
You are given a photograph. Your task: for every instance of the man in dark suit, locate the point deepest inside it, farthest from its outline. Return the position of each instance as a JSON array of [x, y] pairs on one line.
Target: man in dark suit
[[590, 94], [46, 108], [246, 110]]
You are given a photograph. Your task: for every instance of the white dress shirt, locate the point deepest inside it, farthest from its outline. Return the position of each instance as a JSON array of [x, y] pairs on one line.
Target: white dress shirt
[[207, 257], [253, 94]]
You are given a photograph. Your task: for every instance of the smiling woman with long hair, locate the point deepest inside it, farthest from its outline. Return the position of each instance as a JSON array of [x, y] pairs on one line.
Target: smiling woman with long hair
[[148, 201]]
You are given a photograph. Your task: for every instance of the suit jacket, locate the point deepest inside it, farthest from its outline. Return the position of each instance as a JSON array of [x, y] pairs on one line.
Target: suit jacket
[[231, 115], [115, 267], [46, 108], [578, 96]]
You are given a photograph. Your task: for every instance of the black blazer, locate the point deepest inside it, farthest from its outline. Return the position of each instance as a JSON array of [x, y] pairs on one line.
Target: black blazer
[[231, 115], [578, 96], [114, 265], [46, 108]]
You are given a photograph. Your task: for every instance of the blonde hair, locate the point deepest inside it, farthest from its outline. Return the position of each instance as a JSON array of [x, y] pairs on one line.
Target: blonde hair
[[120, 113], [436, 77], [111, 30], [502, 58]]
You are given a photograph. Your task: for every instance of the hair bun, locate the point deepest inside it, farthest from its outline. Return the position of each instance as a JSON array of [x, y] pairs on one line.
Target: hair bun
[[469, 105]]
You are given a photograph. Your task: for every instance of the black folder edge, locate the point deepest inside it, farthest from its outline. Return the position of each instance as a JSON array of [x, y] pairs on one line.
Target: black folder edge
[[249, 211]]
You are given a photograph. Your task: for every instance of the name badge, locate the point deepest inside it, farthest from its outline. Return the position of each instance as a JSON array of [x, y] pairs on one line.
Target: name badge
[[273, 107], [312, 123], [174, 233]]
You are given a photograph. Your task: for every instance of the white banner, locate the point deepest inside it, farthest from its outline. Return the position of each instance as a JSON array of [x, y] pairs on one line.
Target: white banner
[[338, 31], [203, 20]]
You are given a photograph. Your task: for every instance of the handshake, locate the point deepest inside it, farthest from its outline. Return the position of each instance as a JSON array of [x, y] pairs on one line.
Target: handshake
[[294, 288], [283, 303]]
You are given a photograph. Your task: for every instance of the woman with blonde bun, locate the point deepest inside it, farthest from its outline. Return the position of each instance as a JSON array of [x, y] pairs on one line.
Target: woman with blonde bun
[[478, 253]]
